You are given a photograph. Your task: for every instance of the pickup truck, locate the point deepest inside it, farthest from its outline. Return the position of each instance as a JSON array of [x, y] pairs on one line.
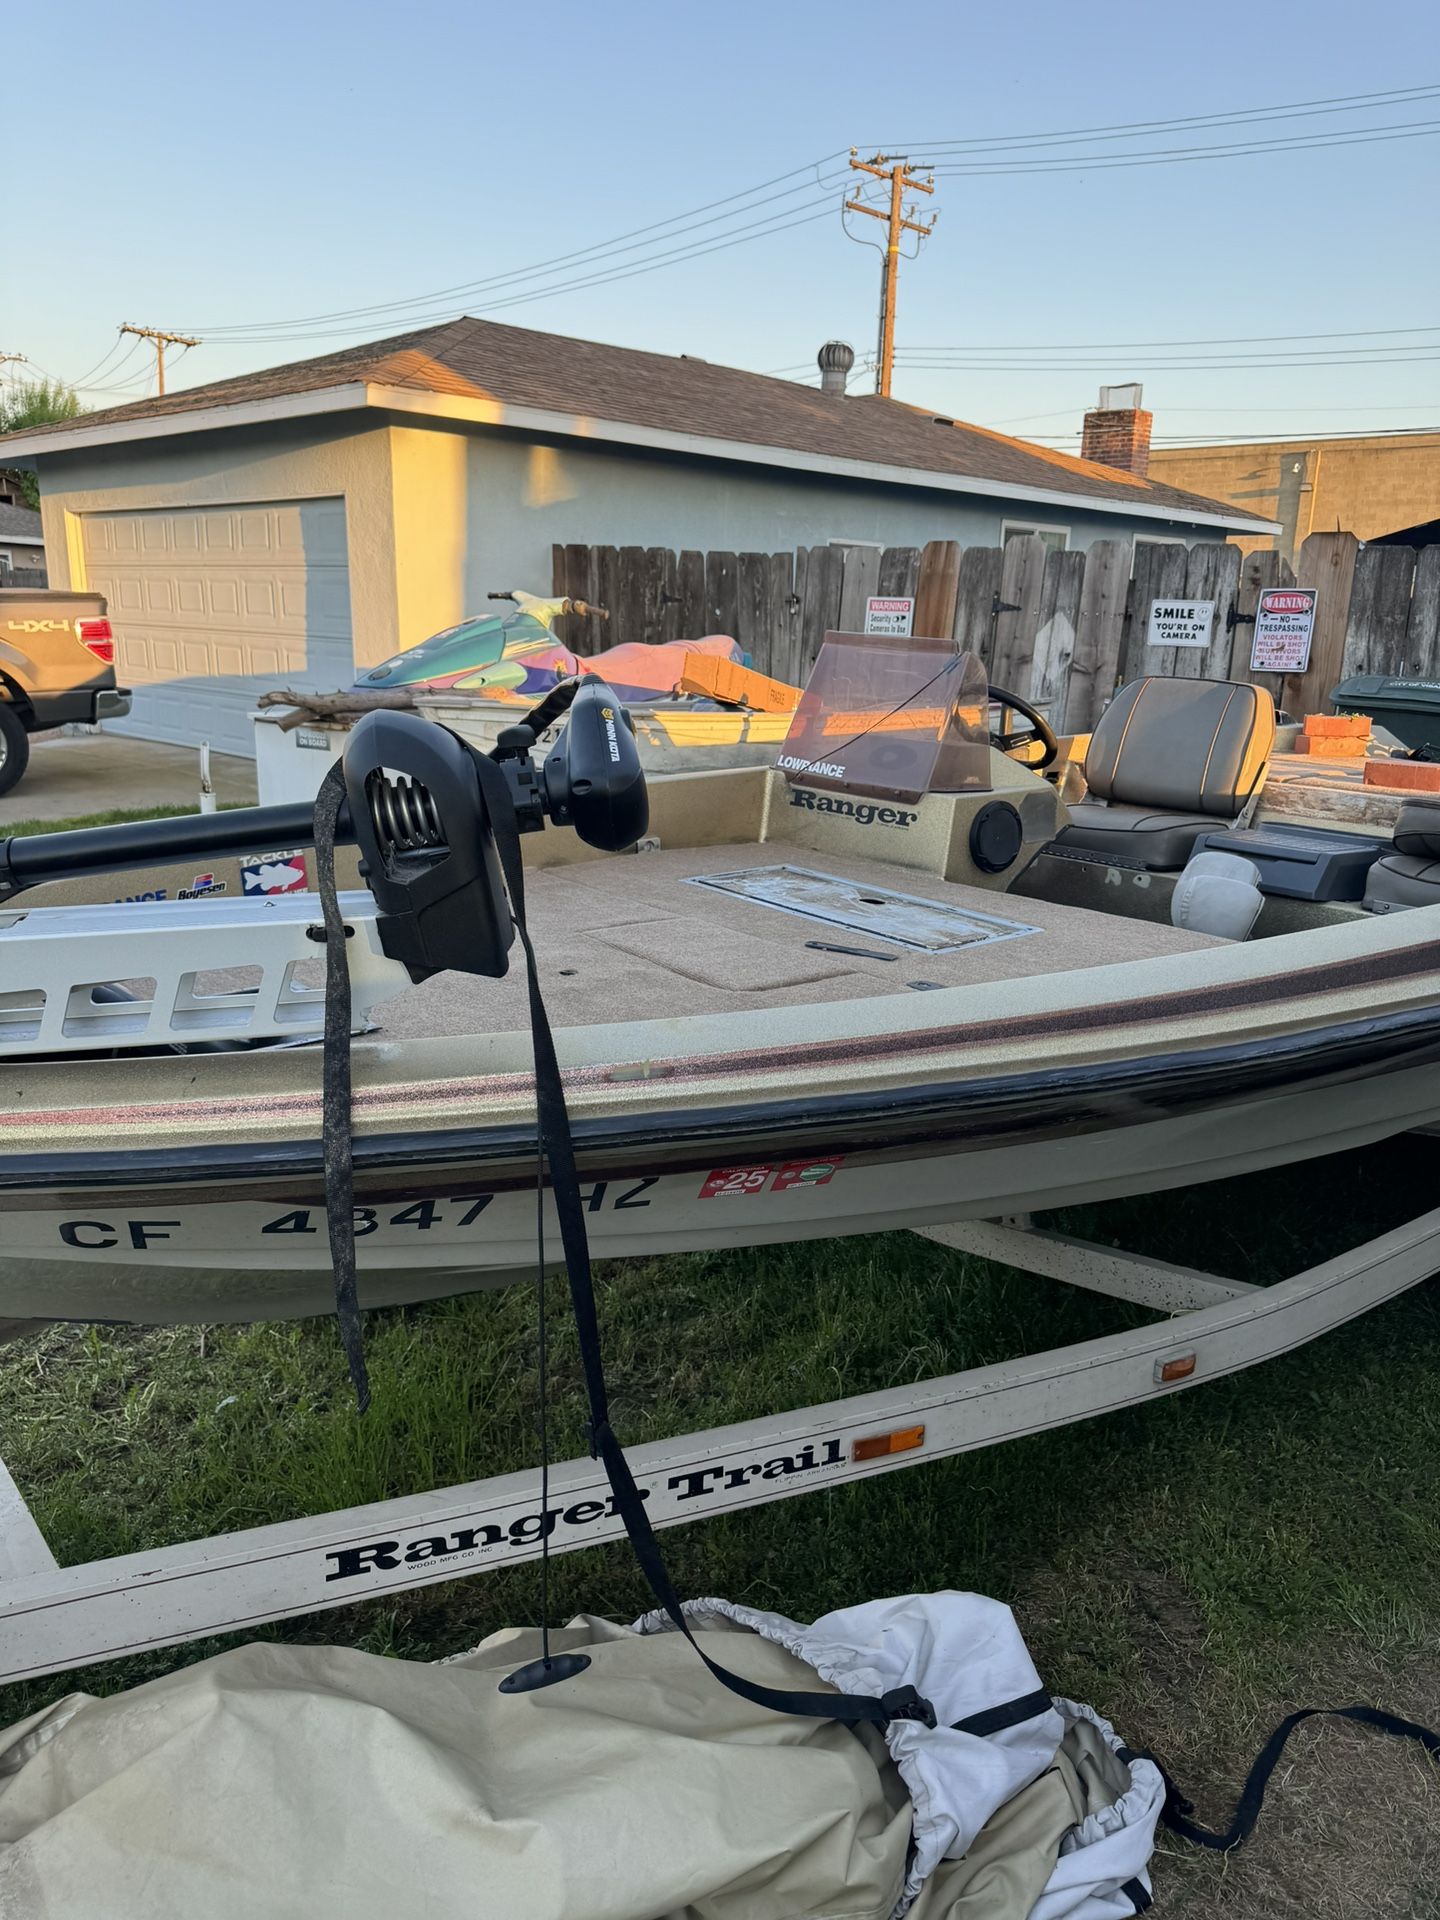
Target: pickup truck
[[57, 663]]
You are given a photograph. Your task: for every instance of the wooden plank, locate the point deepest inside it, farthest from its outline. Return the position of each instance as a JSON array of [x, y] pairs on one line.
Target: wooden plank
[[1022, 582], [1099, 637], [899, 571], [607, 594], [782, 660], [572, 570], [1375, 633], [722, 579], [627, 621], [860, 580], [1157, 573], [935, 594], [976, 591], [1327, 563], [821, 611], [665, 580], [1212, 572], [754, 623], [1422, 636], [1055, 637], [690, 588]]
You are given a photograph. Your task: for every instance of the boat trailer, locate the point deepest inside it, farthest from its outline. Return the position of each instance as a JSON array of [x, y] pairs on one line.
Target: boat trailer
[[54, 1618]]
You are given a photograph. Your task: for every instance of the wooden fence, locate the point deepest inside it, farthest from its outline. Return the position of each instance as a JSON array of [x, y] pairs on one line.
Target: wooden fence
[[1064, 629]]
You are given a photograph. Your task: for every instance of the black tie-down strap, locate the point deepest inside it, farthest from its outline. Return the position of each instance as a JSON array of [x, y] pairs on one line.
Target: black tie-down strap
[[1177, 1809], [901, 1703], [335, 1122]]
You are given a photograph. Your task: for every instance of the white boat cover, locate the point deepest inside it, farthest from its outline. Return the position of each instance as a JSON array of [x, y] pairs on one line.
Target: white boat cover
[[302, 1782]]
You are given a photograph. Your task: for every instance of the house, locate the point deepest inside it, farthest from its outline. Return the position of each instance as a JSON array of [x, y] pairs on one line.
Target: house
[[1367, 485], [22, 544], [290, 526]]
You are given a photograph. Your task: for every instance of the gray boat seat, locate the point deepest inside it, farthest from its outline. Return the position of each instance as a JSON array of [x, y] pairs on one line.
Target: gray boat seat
[[1409, 875], [1168, 759]]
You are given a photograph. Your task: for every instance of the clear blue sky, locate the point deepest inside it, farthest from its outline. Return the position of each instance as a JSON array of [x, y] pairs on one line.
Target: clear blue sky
[[210, 167]]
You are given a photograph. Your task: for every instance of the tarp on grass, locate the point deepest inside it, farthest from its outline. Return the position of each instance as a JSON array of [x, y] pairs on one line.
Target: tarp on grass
[[308, 1782]]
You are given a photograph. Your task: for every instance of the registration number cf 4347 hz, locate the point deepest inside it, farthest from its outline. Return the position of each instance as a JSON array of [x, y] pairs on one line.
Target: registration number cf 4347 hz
[[449, 1215]]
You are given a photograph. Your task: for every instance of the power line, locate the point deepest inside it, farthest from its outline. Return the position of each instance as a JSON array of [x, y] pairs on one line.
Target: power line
[[1162, 366], [1133, 129], [465, 288], [1180, 156], [312, 326], [1126, 346]]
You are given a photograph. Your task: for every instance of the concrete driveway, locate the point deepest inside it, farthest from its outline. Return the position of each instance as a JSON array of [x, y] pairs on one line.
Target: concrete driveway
[[75, 774]]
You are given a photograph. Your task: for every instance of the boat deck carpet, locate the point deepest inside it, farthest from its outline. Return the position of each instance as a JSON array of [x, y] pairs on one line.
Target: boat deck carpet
[[626, 939]]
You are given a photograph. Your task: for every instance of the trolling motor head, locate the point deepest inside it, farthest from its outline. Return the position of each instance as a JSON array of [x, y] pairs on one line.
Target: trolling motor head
[[426, 833]]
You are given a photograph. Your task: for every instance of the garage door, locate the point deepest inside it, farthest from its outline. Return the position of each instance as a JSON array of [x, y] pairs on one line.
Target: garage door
[[213, 606]]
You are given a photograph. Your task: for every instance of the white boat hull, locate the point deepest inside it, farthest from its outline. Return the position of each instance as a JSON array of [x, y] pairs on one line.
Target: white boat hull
[[134, 1261]]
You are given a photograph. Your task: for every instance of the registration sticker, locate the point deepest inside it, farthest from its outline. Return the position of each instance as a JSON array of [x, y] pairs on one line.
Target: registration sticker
[[726, 1180], [805, 1173]]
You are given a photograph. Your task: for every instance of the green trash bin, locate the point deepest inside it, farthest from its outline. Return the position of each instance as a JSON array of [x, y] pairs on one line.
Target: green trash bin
[[1410, 709]]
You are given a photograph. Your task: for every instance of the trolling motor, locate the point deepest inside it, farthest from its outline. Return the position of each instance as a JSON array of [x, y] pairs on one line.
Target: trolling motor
[[427, 840]]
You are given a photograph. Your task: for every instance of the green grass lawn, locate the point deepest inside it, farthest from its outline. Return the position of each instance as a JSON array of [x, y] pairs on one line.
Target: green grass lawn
[[1195, 1567]]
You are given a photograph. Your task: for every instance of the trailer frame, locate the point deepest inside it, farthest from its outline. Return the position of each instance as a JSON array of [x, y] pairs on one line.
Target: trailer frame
[[54, 1618]]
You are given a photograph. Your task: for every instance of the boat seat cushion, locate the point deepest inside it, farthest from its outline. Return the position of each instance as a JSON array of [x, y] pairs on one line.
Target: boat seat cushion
[[1402, 880], [1171, 757], [1417, 828], [1189, 746], [1161, 841]]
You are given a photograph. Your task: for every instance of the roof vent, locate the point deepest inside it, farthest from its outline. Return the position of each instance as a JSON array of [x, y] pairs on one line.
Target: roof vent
[[943, 420], [835, 359]]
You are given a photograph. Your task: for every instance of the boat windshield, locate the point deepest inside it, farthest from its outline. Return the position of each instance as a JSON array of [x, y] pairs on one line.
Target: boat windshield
[[898, 718]]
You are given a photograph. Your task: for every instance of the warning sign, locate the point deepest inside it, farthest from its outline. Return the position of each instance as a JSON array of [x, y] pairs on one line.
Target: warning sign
[[1181, 623], [895, 615], [1284, 624]]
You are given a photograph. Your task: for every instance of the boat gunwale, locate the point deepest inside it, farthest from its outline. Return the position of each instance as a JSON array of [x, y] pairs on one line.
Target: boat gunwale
[[1042, 1104]]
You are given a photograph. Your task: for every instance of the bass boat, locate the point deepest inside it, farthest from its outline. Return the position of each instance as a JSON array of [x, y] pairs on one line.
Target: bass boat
[[890, 981]]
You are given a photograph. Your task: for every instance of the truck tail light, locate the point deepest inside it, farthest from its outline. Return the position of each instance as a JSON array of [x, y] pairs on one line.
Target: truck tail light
[[95, 636]]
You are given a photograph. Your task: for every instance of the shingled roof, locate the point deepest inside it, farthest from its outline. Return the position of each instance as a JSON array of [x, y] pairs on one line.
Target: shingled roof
[[585, 381]]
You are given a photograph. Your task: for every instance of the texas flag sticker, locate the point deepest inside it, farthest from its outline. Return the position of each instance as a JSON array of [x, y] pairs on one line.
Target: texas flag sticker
[[275, 873]]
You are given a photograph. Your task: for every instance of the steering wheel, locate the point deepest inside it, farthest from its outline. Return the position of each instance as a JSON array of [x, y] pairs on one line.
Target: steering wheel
[[1038, 729]]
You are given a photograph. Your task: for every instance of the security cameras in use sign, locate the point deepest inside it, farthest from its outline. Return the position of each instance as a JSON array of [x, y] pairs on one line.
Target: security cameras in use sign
[[1181, 623], [1284, 623]]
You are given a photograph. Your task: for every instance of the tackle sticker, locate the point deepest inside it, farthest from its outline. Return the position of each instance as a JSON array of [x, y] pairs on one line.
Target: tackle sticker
[[726, 1180], [274, 873]]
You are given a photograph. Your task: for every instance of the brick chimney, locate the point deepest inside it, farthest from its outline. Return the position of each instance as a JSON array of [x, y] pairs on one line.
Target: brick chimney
[[1117, 432]]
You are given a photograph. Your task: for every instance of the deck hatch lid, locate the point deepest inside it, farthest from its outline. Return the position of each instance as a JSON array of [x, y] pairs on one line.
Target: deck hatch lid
[[907, 919]]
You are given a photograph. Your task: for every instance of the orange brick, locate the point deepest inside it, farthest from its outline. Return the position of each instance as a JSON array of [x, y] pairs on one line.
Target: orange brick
[[1417, 776], [1325, 748], [1342, 726]]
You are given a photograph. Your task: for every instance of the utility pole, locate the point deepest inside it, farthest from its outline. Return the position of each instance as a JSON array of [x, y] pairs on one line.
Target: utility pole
[[887, 166], [162, 340]]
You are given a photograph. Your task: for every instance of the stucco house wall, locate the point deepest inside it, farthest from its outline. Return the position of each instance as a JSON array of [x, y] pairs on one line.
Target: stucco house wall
[[437, 516]]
